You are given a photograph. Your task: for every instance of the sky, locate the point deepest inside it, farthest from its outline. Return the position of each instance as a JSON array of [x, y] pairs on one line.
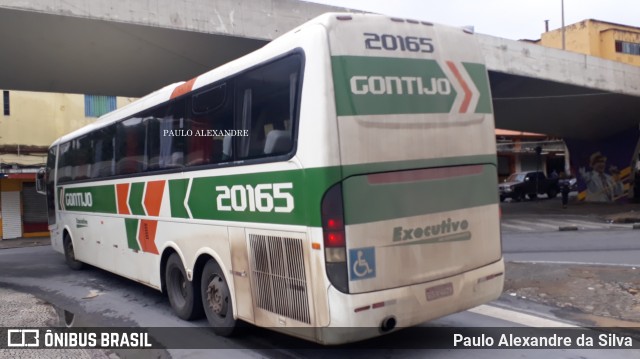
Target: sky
[[511, 19]]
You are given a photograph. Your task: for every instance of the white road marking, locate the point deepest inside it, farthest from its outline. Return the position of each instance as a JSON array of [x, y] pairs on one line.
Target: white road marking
[[537, 223], [519, 318], [634, 266], [514, 226]]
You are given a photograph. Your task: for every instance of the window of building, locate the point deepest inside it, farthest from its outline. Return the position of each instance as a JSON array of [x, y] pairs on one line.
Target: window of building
[[5, 101], [627, 47], [96, 106]]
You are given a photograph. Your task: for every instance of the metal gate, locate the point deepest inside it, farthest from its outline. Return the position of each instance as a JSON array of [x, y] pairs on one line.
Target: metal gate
[[11, 216]]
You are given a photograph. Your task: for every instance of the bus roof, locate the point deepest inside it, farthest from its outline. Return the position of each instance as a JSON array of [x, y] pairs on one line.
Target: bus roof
[[162, 95]]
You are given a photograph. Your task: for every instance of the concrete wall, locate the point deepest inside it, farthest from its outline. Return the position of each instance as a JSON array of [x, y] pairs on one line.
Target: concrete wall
[[542, 62], [257, 19]]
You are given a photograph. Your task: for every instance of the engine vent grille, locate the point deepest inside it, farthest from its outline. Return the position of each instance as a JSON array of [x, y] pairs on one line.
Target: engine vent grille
[[279, 280]]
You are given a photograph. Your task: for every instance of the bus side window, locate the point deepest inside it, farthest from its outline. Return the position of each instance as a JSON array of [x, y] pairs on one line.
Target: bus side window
[[266, 103], [130, 141], [103, 152], [64, 163], [165, 143], [211, 113], [83, 158]]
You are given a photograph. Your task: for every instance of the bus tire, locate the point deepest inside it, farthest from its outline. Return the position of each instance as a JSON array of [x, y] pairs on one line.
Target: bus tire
[[70, 254], [216, 299], [183, 295]]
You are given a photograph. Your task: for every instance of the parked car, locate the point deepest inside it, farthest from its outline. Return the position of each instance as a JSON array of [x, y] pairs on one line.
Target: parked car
[[528, 184]]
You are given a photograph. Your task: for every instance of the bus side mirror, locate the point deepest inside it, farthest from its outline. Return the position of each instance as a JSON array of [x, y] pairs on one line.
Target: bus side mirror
[[40, 181]]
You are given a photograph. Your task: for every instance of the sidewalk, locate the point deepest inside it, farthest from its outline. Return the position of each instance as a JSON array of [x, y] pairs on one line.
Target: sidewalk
[[20, 310], [24, 242], [601, 295]]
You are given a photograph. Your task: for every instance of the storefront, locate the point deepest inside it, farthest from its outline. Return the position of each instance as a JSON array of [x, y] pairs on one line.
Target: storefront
[[23, 212]]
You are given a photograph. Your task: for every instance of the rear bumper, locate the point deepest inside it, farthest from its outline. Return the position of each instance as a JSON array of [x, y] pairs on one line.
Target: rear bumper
[[408, 305]]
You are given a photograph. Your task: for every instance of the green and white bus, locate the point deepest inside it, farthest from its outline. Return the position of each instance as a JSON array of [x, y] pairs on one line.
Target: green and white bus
[[342, 176]]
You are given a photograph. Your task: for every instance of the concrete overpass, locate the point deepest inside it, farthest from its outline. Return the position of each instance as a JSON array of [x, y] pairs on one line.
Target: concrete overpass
[[98, 47]]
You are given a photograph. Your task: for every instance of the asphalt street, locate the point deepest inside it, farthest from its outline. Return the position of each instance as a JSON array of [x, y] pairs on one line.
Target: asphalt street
[[97, 298]]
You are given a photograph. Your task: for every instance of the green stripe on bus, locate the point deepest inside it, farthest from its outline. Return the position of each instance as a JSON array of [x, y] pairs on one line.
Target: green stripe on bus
[[207, 193], [365, 202], [99, 199], [478, 74], [385, 85], [177, 194], [131, 226], [307, 189], [135, 198]]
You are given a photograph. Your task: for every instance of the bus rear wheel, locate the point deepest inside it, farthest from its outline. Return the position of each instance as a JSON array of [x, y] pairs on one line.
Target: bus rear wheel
[[70, 254], [216, 299], [183, 295]]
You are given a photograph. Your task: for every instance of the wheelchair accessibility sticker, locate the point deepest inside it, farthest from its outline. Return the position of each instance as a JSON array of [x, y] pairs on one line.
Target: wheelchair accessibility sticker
[[362, 263]]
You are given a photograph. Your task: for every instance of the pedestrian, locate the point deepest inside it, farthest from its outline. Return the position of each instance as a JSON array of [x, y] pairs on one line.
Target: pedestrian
[[565, 187]]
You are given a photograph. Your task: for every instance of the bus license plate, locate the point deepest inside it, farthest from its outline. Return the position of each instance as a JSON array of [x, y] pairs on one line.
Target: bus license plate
[[439, 291]]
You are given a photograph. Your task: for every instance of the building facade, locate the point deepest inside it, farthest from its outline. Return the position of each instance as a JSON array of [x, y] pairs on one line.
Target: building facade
[[598, 38], [29, 123]]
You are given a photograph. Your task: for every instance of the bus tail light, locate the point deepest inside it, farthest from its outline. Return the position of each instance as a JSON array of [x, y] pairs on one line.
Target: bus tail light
[[335, 251]]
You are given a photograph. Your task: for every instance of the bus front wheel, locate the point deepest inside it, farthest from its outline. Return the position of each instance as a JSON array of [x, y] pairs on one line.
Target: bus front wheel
[[216, 299], [70, 254], [182, 294]]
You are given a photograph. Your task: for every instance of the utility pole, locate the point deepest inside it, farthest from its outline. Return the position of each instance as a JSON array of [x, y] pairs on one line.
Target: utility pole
[[562, 14], [538, 150]]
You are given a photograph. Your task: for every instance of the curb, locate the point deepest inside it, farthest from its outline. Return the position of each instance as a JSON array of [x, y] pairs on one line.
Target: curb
[[24, 242], [567, 228]]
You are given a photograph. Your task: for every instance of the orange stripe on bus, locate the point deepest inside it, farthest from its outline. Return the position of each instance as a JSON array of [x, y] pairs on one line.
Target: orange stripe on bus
[[465, 87], [147, 236], [153, 197], [122, 192], [183, 89]]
